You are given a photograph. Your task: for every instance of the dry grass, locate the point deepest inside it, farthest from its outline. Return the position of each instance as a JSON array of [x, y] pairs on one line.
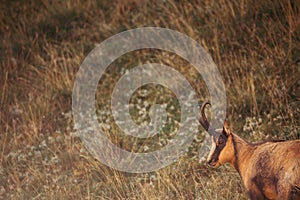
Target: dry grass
[[256, 45]]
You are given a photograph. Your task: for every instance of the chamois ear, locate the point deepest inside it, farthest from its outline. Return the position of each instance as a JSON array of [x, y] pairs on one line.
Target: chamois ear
[[226, 129]]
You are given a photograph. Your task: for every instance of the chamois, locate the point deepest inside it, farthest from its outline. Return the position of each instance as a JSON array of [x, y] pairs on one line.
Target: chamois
[[269, 170]]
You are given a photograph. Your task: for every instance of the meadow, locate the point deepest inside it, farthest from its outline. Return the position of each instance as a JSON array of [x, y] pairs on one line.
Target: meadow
[[255, 44]]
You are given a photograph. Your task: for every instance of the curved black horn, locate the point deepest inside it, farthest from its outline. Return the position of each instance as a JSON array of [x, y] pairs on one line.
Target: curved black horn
[[203, 120]]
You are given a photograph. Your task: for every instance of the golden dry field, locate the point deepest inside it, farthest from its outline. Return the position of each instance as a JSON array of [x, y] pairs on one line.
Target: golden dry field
[[255, 44]]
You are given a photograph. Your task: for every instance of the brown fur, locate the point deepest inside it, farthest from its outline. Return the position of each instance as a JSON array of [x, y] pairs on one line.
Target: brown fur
[[269, 170]]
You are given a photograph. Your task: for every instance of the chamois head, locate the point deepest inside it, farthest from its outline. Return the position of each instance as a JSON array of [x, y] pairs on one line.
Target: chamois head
[[222, 149]]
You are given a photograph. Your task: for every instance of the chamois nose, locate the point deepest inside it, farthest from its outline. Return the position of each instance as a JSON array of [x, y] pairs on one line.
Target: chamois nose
[[209, 161], [212, 161]]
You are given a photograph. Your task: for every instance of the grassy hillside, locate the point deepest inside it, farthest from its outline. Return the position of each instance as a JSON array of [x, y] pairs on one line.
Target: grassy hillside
[[255, 44]]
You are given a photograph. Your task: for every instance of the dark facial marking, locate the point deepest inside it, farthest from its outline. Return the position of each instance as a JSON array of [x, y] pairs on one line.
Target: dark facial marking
[[220, 144], [221, 141]]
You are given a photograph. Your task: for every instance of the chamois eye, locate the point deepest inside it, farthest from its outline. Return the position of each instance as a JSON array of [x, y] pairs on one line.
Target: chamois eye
[[220, 141]]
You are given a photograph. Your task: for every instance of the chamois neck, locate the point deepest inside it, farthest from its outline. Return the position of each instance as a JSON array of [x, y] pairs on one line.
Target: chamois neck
[[242, 151]]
